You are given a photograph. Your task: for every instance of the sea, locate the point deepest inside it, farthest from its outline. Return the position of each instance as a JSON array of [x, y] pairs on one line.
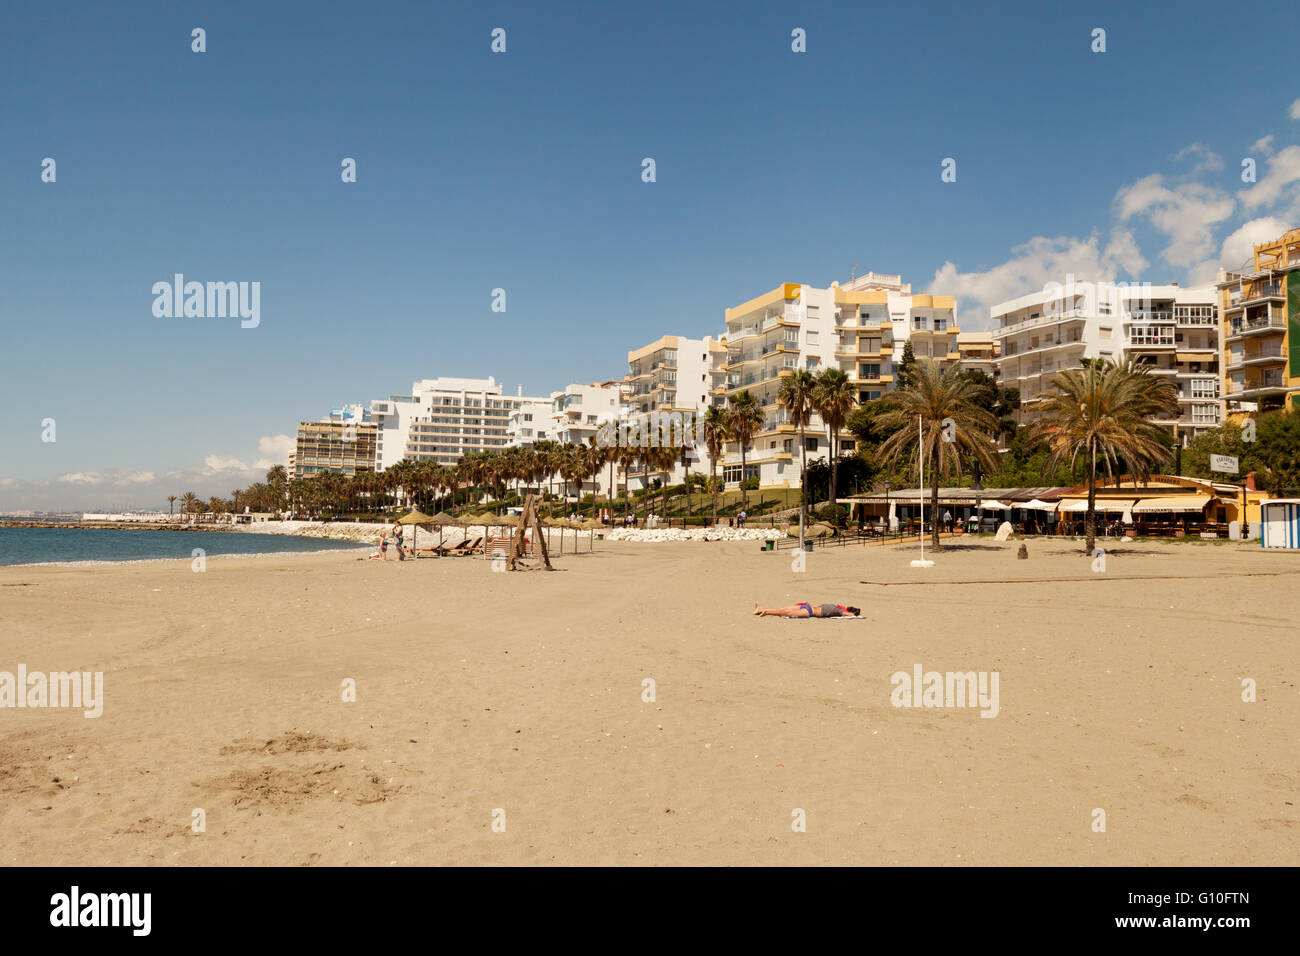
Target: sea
[[64, 545]]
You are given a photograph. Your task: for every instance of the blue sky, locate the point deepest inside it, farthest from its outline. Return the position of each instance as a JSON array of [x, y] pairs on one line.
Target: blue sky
[[522, 171]]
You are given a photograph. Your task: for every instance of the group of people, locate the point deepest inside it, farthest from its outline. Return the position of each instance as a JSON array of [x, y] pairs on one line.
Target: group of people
[[395, 533]]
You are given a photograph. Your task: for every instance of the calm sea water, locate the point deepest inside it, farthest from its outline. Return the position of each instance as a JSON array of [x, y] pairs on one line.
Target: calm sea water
[[41, 545]]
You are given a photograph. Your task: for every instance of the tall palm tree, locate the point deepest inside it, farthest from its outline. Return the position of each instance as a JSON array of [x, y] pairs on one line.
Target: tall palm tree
[[934, 395], [715, 442], [593, 459], [744, 421], [1102, 412], [798, 395], [834, 396], [188, 502], [171, 500]]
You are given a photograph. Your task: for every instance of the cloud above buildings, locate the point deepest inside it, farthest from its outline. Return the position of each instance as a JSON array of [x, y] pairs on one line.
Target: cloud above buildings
[[1196, 223], [274, 449]]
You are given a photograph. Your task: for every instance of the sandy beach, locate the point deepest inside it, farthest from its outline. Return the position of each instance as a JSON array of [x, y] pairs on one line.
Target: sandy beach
[[479, 691]]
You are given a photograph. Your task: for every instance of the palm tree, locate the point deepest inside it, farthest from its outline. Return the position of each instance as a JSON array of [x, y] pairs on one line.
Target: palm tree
[[1102, 412], [188, 502], [798, 395], [593, 459], [934, 396], [744, 420], [834, 396], [171, 500], [715, 441]]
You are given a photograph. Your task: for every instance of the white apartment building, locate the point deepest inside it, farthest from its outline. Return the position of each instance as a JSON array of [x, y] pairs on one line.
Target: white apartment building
[[530, 422], [1173, 330], [445, 418], [860, 327], [674, 374]]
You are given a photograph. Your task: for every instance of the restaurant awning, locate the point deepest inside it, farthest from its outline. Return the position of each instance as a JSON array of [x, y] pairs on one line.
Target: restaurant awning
[[1037, 505], [1171, 505], [1101, 506]]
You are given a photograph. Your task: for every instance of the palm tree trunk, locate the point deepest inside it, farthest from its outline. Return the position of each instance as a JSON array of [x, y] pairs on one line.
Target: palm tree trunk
[[934, 511], [803, 482], [744, 493], [1090, 521], [834, 475]]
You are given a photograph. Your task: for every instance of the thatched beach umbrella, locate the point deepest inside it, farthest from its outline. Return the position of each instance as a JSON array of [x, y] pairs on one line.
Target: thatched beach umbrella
[[415, 519], [441, 520]]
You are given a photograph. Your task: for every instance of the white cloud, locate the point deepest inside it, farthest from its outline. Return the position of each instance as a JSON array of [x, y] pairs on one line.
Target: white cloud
[[81, 478], [1205, 158], [215, 464], [1185, 213], [133, 477], [1263, 145], [1032, 265], [1295, 110], [1283, 170], [1240, 245], [275, 450]]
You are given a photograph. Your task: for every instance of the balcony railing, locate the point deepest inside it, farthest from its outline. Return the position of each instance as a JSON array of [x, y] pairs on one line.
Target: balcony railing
[[1150, 315], [1271, 322]]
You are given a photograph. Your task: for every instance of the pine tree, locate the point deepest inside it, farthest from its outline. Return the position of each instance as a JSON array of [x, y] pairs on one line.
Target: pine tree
[[906, 368]]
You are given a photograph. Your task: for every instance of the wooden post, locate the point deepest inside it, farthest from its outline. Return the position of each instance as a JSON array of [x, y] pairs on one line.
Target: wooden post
[[528, 521]]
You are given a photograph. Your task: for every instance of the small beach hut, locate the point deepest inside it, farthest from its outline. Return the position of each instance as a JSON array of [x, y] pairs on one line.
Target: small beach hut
[[1280, 523]]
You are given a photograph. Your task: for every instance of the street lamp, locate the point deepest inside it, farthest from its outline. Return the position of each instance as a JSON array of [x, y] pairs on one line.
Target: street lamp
[[979, 498]]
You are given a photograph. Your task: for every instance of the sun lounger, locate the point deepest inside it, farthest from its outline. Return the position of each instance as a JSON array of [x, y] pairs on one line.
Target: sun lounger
[[466, 547]]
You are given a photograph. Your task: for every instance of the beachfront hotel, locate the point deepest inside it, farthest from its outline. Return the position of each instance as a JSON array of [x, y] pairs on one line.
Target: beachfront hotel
[[860, 327], [1260, 305], [443, 419], [346, 445], [1173, 330]]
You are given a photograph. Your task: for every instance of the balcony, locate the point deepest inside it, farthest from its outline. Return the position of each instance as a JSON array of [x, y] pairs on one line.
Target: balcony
[[1270, 323], [1265, 354], [1149, 315], [1065, 315], [1270, 381], [1184, 316]]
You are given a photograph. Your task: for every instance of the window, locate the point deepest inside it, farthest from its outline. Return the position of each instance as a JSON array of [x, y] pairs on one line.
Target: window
[[871, 371], [1205, 388], [812, 337], [1105, 331], [810, 444]]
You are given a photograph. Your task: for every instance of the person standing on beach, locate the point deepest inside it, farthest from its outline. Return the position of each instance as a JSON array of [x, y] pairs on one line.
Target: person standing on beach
[[383, 546], [397, 540]]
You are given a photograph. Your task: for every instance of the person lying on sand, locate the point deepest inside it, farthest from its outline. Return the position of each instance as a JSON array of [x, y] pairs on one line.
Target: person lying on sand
[[809, 610]]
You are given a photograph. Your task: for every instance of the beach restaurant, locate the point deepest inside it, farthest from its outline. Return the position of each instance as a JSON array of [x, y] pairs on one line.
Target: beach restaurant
[[1158, 505], [969, 508]]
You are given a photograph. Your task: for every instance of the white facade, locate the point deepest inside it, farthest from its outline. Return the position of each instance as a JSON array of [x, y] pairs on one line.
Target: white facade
[[860, 327], [444, 419], [676, 376], [1173, 330]]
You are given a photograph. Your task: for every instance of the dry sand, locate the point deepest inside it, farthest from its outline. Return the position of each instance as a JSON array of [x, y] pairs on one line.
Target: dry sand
[[478, 691]]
